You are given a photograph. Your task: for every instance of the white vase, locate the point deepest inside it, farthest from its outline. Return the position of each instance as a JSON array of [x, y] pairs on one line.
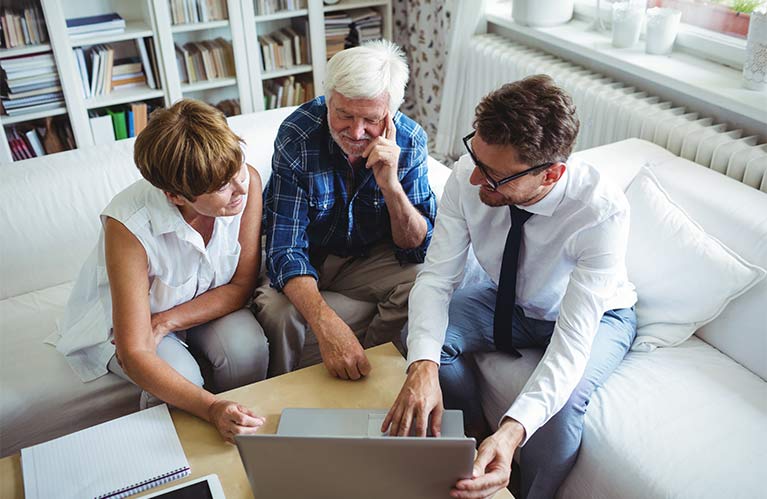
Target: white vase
[[662, 26], [755, 65], [627, 24], [542, 12]]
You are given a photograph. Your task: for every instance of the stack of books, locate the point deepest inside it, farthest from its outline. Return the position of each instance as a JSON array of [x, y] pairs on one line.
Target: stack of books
[[283, 92], [34, 140], [336, 32], [197, 11], [30, 84], [119, 123], [103, 24], [345, 30], [206, 60], [285, 48], [366, 25], [100, 73], [266, 7], [21, 27]]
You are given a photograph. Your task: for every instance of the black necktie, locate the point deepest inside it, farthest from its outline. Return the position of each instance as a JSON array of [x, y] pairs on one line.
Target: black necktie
[[507, 284]]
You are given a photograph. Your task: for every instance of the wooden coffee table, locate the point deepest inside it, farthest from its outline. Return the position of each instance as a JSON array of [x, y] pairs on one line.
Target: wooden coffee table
[[311, 387]]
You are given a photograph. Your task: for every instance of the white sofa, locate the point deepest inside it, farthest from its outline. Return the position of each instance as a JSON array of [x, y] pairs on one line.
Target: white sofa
[[688, 421]]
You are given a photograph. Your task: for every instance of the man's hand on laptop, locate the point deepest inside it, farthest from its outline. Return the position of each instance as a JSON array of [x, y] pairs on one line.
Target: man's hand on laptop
[[341, 351], [419, 401], [492, 466], [231, 418]]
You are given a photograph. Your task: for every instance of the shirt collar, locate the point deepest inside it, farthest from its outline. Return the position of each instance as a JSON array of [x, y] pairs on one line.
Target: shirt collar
[[165, 216], [549, 203]]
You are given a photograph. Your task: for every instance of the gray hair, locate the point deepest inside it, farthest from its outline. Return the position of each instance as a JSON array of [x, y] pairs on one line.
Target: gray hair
[[368, 71]]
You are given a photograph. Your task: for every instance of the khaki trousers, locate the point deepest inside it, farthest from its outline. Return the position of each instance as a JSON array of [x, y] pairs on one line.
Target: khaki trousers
[[378, 278]]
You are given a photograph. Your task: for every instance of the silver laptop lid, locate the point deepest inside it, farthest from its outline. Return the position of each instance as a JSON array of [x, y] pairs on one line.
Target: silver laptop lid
[[375, 467]]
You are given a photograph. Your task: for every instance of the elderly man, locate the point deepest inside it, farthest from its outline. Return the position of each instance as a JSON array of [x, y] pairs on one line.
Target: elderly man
[[552, 237], [348, 209]]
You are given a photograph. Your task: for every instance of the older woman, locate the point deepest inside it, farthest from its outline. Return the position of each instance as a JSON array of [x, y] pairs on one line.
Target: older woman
[[175, 264]]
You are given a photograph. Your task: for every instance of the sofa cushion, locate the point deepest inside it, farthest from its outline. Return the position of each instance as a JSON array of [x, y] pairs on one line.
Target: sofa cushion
[[40, 396], [684, 277], [736, 215], [678, 422], [728, 210], [50, 230]]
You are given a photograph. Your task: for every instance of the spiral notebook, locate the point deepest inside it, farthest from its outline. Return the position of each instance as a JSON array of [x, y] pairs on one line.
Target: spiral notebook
[[115, 459]]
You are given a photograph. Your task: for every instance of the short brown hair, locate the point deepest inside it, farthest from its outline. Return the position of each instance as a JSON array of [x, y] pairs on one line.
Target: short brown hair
[[188, 149], [533, 115]]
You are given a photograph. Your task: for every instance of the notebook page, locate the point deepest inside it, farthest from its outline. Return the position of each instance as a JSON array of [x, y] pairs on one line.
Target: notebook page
[[105, 458]]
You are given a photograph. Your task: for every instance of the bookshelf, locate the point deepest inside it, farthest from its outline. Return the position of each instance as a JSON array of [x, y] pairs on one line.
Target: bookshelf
[[32, 43], [140, 27], [232, 86], [313, 17], [152, 21]]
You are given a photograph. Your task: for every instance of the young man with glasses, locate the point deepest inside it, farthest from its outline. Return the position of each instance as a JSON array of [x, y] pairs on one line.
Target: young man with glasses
[[552, 238]]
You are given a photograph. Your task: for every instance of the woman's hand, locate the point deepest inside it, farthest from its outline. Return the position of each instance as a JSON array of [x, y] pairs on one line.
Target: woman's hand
[[160, 327], [231, 418]]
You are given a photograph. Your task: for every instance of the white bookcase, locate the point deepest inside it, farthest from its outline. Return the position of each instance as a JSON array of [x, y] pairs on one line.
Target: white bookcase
[[152, 19]]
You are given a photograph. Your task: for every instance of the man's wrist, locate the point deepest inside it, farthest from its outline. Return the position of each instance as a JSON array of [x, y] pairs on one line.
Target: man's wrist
[[512, 430], [424, 365], [392, 190]]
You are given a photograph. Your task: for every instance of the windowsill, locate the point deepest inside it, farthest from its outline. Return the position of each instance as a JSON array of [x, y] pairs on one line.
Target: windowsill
[[714, 83]]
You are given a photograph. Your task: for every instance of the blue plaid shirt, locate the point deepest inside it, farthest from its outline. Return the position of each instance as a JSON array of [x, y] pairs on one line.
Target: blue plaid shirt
[[315, 201]]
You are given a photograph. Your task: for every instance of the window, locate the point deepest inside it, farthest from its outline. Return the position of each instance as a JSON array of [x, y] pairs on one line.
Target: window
[[729, 17]]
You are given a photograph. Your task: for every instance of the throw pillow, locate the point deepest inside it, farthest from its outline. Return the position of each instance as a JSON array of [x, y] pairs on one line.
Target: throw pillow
[[683, 276]]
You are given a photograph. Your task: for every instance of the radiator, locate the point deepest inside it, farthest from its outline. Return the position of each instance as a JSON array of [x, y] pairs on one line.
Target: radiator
[[610, 111]]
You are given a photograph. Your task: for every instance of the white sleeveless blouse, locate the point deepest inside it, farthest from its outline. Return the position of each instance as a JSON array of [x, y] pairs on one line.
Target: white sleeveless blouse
[[181, 267]]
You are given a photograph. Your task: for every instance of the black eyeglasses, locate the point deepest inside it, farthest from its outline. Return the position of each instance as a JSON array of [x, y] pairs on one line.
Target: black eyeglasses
[[495, 184]]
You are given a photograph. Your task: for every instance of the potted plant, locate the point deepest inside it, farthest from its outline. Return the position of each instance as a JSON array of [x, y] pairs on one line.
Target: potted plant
[[729, 17]]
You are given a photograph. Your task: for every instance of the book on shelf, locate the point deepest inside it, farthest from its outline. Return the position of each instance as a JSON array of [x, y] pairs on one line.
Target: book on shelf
[[197, 11], [146, 63], [102, 24], [281, 92], [266, 7], [284, 48], [22, 26], [205, 60]]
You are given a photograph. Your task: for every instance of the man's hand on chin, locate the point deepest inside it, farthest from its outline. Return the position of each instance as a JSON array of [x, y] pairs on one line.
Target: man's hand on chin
[[492, 467]]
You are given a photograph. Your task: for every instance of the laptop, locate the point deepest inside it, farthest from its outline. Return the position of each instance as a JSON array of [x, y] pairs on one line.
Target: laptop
[[341, 453]]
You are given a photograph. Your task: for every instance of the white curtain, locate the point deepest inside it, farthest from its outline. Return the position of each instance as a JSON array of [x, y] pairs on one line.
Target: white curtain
[[468, 18]]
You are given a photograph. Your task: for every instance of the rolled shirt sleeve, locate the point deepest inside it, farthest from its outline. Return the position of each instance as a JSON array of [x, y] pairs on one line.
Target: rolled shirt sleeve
[[415, 183], [600, 251], [286, 212]]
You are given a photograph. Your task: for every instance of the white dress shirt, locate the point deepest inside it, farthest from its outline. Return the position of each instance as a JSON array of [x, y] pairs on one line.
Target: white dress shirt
[[181, 267], [571, 270]]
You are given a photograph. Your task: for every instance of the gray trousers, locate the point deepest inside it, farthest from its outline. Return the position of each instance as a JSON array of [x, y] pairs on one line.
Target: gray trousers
[[378, 278], [224, 353]]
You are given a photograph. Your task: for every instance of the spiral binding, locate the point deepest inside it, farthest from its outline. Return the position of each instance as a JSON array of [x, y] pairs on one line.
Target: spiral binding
[[147, 484]]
